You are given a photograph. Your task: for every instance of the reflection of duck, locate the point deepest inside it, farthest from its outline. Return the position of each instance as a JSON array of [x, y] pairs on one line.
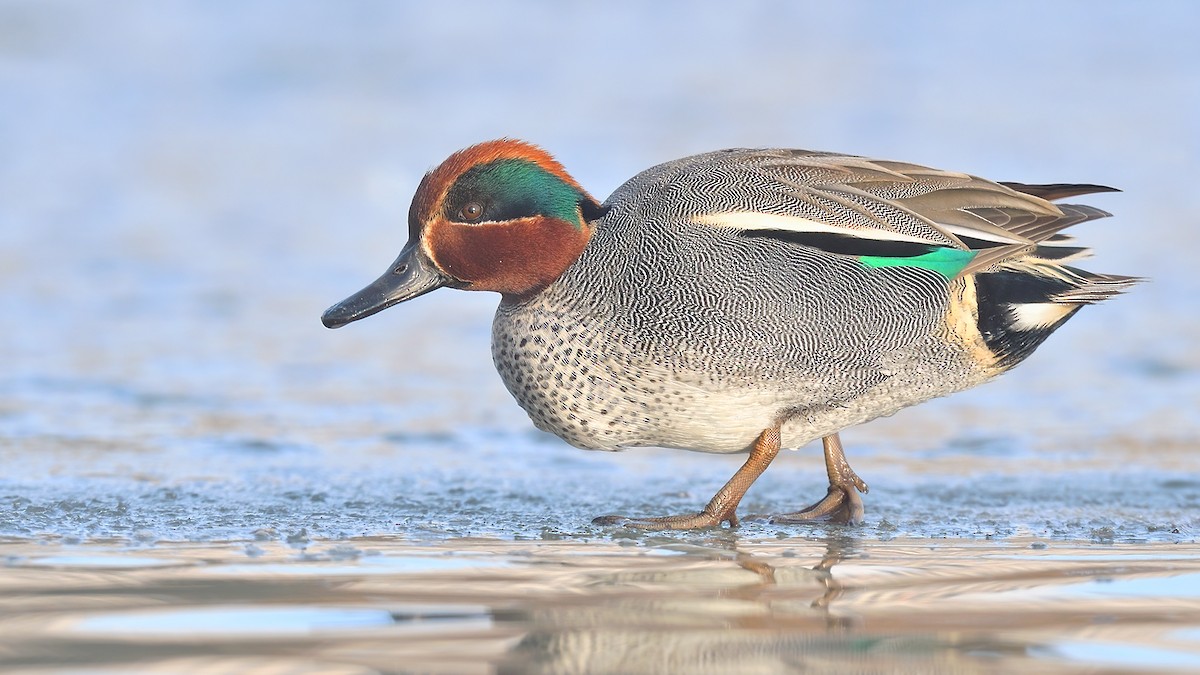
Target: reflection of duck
[[708, 616], [702, 615], [717, 301]]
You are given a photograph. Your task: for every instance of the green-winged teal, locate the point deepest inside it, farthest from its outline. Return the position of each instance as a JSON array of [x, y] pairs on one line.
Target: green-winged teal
[[727, 300]]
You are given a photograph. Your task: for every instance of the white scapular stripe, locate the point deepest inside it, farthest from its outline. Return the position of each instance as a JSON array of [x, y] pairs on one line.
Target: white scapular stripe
[[984, 235], [1035, 315], [749, 220]]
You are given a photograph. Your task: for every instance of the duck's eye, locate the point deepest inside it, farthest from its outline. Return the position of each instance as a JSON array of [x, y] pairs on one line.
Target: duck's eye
[[471, 211]]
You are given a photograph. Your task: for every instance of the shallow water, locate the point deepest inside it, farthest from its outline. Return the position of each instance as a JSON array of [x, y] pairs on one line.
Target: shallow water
[[713, 603], [194, 474]]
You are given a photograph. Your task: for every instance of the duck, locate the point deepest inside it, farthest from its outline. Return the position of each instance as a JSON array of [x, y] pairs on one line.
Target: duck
[[739, 300]]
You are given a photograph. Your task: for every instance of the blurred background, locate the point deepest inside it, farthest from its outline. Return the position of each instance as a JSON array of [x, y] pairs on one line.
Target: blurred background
[[185, 186]]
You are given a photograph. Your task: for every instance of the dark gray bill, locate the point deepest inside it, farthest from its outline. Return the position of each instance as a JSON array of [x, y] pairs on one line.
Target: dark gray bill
[[411, 275]]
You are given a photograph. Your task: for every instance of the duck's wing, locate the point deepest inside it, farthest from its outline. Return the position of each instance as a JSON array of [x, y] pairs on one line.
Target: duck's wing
[[1055, 191], [876, 208]]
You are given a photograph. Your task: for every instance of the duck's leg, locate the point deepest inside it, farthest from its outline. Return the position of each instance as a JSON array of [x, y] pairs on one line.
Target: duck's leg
[[842, 503], [723, 506]]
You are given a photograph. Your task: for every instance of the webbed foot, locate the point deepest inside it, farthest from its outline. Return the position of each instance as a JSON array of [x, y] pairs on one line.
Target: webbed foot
[[696, 521], [841, 504], [722, 508]]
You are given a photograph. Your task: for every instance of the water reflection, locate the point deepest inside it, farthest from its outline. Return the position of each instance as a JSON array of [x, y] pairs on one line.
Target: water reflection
[[712, 602], [745, 613], [760, 612]]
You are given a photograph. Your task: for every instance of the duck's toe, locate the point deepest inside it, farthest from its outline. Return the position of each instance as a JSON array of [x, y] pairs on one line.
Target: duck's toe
[[722, 508], [696, 521], [842, 505]]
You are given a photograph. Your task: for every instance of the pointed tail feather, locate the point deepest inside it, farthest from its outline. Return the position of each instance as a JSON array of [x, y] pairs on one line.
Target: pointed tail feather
[[1092, 287], [1023, 301]]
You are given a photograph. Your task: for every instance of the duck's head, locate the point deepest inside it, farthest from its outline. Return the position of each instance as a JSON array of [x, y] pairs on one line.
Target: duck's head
[[499, 216]]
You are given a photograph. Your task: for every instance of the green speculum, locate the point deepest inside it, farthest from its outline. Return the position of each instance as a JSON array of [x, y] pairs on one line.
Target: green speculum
[[945, 261]]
